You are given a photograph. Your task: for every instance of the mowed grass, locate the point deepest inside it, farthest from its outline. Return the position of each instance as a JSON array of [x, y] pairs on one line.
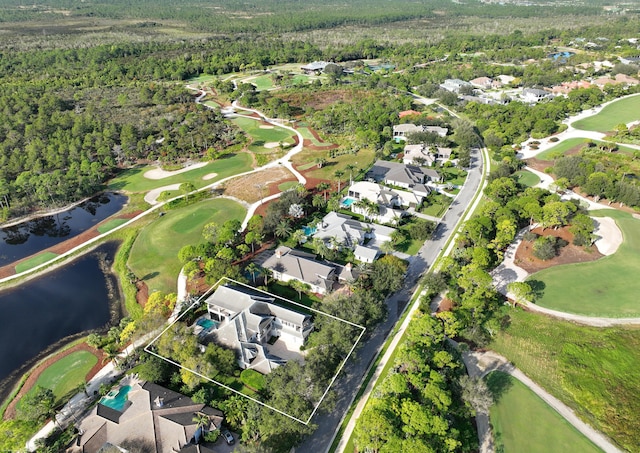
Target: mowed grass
[[306, 159], [526, 178], [133, 180], [307, 134], [607, 287], [592, 370], [111, 224], [622, 111], [67, 374], [32, 262], [261, 83], [154, 255], [511, 420], [561, 148], [260, 135]]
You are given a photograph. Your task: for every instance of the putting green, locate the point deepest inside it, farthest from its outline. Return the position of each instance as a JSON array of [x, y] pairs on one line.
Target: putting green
[[133, 180], [622, 111], [606, 287], [154, 255], [260, 135], [524, 423], [526, 178], [66, 375]]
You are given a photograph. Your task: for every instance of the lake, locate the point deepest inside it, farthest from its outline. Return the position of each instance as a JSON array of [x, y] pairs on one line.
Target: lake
[[33, 236], [42, 312]]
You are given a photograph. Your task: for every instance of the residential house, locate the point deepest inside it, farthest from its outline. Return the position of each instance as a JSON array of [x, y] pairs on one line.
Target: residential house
[[288, 264], [454, 85], [401, 175], [382, 196], [250, 320], [423, 155], [630, 60], [400, 131], [353, 233], [534, 95], [619, 79], [505, 79], [566, 87], [407, 113], [484, 83], [153, 416], [314, 67]]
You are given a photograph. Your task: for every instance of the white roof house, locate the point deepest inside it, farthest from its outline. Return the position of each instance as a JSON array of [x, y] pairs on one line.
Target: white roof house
[[400, 131], [375, 193], [454, 85], [248, 321], [365, 254], [351, 232], [533, 95]]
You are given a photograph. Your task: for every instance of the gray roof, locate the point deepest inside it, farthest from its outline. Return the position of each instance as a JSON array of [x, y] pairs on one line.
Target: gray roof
[[365, 252], [315, 66], [397, 172], [299, 266], [432, 174]]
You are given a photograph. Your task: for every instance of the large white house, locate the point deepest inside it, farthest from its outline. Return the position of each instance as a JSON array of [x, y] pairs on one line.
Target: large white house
[[400, 131], [249, 320], [422, 154]]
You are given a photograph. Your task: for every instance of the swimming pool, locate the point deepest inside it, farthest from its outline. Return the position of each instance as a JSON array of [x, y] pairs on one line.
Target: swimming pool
[[309, 230], [348, 201], [207, 323], [116, 399]]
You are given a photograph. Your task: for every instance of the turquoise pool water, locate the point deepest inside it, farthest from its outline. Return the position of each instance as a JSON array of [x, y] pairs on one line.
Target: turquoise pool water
[[207, 323], [308, 230], [348, 201], [116, 400]]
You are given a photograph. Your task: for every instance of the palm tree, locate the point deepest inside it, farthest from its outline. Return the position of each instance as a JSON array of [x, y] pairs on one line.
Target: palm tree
[[386, 247], [298, 286], [253, 269], [201, 420], [111, 353], [300, 190], [298, 236], [283, 229], [266, 273], [322, 187], [350, 169], [338, 174], [320, 247], [318, 201]]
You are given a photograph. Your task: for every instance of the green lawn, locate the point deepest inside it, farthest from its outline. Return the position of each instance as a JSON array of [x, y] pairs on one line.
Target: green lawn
[[253, 379], [527, 178], [306, 159], [621, 111], [133, 180], [65, 375], [453, 175], [264, 82], [592, 370], [287, 185], [561, 148], [524, 423], [30, 263], [307, 134], [111, 224], [606, 287], [260, 135], [154, 255], [436, 205]]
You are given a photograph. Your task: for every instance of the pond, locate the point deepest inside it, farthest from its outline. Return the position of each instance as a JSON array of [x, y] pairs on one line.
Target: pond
[[33, 236], [45, 312]]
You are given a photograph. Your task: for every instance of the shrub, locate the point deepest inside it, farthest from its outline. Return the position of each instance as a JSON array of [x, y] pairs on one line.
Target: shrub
[[544, 247], [530, 236], [554, 139]]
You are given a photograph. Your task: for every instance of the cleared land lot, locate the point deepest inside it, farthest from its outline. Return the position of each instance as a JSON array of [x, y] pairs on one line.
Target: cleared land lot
[[154, 255], [606, 287], [592, 370], [524, 423], [622, 111]]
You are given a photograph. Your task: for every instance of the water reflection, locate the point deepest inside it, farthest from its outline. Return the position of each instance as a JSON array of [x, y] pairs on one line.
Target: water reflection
[[75, 298], [28, 238]]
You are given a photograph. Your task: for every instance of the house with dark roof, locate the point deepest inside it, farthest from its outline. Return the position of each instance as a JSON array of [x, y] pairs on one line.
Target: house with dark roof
[[250, 321], [158, 418], [314, 67], [287, 264], [401, 175]]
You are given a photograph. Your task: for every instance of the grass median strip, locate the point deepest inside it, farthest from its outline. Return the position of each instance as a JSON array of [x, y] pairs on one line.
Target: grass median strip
[[34, 261]]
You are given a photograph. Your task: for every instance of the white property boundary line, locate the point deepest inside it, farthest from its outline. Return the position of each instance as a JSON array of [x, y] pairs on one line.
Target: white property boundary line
[[147, 348]]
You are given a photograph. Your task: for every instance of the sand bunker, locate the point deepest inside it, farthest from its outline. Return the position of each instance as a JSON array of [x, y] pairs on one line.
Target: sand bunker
[[266, 126], [270, 145], [152, 196], [209, 176], [159, 173], [609, 236]]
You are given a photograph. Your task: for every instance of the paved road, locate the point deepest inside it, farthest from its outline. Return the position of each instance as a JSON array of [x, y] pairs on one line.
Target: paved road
[[348, 383], [482, 363]]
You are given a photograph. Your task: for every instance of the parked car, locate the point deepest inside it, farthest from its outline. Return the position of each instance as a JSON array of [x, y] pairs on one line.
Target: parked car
[[228, 437]]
